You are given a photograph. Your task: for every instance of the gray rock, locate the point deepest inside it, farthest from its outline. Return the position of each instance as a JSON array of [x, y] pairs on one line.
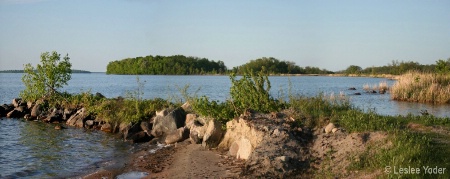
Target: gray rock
[[189, 119], [36, 110], [162, 113], [89, 123], [197, 131], [179, 135], [145, 126], [55, 115], [129, 129], [163, 125], [140, 137], [17, 102], [15, 113], [213, 134], [187, 107], [78, 119]]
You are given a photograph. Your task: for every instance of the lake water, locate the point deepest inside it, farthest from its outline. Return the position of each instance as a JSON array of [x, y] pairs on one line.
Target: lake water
[[36, 150]]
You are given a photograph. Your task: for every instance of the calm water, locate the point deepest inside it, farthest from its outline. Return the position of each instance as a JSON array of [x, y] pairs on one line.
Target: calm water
[[217, 88], [34, 149]]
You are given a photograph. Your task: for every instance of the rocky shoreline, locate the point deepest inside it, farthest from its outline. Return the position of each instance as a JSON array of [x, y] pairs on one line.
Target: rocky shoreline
[[177, 143]]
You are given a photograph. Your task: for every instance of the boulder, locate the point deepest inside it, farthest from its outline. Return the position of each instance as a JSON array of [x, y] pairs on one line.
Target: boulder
[[352, 88], [17, 102], [67, 113], [106, 127], [3, 111], [329, 128], [145, 126], [189, 119], [140, 137], [78, 119], [129, 129], [89, 123], [196, 132], [238, 128], [213, 134], [15, 113], [163, 125], [54, 116], [21, 109], [178, 135], [241, 148], [36, 110], [30, 105], [162, 113], [187, 107]]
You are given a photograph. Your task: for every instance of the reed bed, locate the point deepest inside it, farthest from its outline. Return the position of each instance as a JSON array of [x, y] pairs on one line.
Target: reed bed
[[422, 87], [382, 87]]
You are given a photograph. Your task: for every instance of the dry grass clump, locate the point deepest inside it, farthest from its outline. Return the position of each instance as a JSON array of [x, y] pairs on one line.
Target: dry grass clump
[[422, 87], [382, 87]]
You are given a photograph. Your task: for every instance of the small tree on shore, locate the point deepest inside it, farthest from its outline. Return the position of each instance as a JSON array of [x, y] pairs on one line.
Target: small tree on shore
[[44, 80]]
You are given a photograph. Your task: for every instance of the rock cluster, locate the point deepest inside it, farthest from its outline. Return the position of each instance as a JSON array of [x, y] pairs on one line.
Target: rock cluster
[[167, 126]]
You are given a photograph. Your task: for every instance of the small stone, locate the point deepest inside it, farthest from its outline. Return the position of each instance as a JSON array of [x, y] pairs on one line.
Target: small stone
[[334, 130], [276, 132], [329, 127]]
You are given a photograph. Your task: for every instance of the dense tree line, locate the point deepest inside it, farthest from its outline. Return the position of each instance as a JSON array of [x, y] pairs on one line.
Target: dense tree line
[[22, 71], [400, 67], [275, 66], [166, 65]]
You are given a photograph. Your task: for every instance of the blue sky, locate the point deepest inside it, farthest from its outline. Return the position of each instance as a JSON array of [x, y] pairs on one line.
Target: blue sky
[[326, 34]]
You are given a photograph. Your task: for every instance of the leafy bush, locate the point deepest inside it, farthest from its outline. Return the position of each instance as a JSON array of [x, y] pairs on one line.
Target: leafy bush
[[222, 111], [44, 80], [252, 91]]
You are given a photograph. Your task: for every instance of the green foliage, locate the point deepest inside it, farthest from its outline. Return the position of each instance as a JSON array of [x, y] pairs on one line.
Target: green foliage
[[275, 66], [402, 67], [353, 69], [44, 80], [252, 91], [222, 111], [169, 65], [405, 149], [359, 121], [443, 67], [315, 111]]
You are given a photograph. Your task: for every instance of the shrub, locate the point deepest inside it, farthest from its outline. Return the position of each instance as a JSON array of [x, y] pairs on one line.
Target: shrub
[[44, 80], [252, 91]]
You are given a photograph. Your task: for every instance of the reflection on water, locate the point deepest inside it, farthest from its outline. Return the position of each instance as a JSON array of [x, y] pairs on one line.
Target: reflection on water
[[37, 150]]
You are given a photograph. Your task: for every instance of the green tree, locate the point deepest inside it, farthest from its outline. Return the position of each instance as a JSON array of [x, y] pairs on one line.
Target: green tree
[[442, 66], [353, 69], [44, 80]]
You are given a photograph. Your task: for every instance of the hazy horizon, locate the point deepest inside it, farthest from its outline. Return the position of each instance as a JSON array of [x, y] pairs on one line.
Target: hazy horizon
[[330, 35]]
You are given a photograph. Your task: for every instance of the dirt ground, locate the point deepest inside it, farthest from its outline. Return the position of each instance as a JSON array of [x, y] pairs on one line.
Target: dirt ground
[[183, 160]]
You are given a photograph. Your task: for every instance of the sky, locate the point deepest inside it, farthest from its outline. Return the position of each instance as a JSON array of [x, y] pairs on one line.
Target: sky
[[330, 35]]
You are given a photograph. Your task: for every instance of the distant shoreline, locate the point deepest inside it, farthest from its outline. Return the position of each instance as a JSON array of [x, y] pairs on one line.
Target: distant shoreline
[[22, 71]]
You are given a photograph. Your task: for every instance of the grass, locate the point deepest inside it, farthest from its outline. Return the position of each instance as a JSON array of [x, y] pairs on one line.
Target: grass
[[422, 87]]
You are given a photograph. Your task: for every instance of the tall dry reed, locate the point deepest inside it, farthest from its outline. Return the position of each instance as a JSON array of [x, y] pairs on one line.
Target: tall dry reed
[[422, 87]]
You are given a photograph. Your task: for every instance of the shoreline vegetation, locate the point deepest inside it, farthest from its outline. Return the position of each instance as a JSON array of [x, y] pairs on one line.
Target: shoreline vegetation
[[23, 71], [260, 136]]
